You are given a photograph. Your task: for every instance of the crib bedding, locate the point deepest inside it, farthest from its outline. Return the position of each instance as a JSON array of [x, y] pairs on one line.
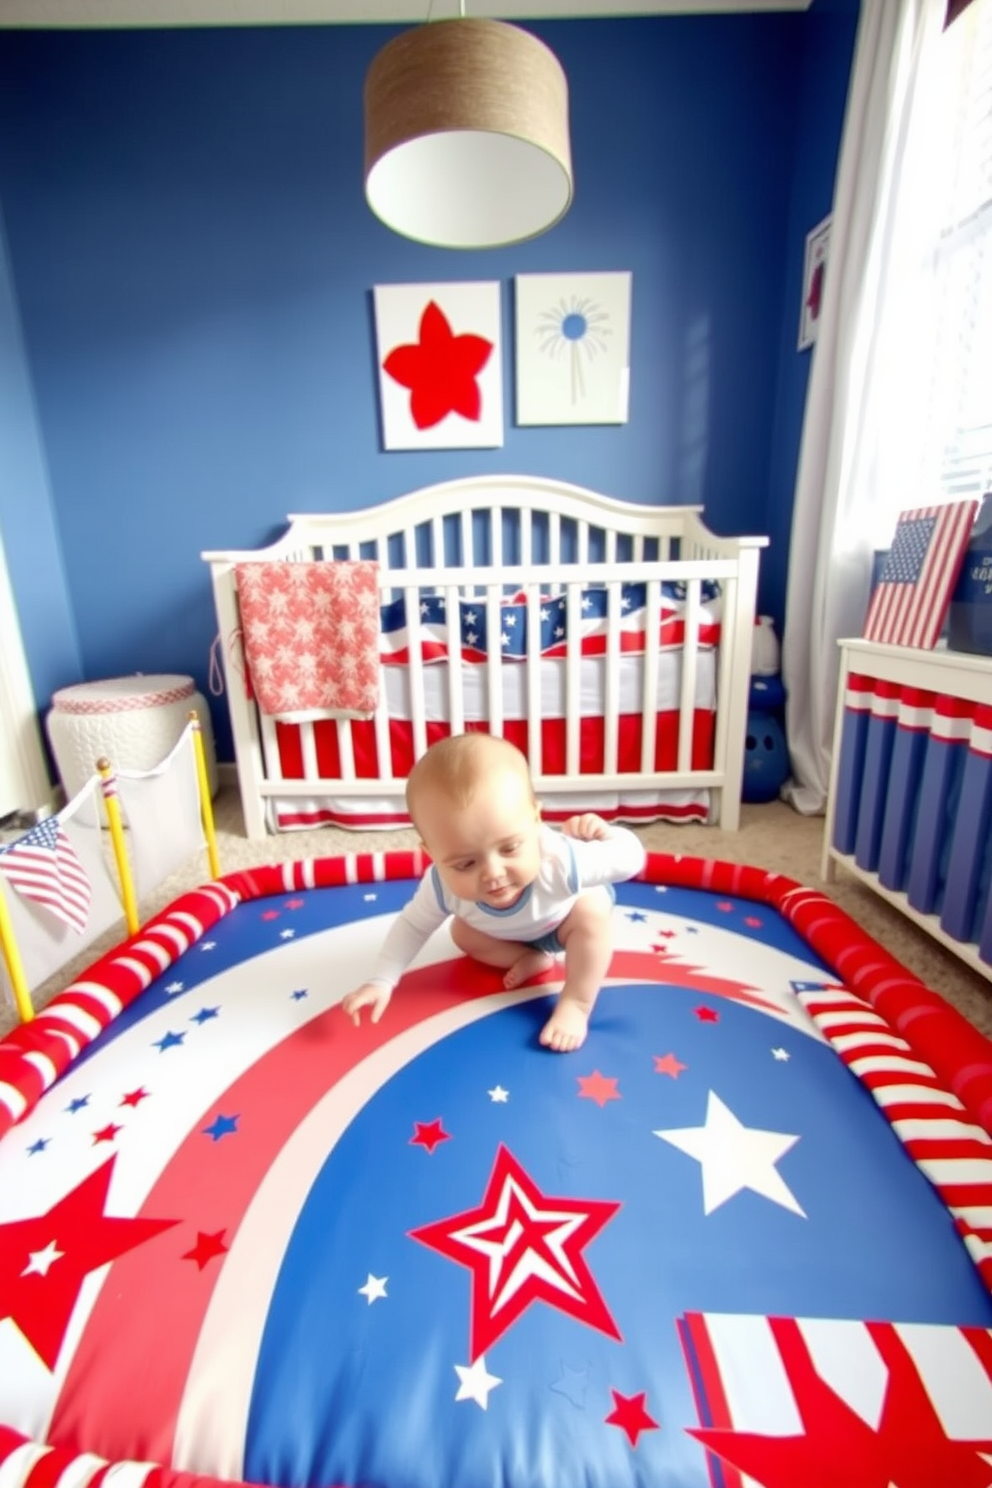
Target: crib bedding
[[720, 1246], [310, 749]]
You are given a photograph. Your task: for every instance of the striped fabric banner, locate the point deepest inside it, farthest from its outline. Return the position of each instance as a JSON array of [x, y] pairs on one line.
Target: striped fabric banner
[[952, 1152]]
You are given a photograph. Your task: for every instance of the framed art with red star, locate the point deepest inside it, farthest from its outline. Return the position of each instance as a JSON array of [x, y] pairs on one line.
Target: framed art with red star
[[742, 1237], [439, 360]]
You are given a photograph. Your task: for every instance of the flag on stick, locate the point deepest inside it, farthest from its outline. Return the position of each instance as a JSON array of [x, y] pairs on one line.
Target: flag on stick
[[918, 575], [42, 865]]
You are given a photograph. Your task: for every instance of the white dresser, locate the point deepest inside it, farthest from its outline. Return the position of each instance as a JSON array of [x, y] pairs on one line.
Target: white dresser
[[910, 803]]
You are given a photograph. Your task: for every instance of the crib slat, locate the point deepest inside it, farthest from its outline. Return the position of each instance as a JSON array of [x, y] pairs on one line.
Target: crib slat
[[554, 539], [418, 702], [456, 676], [270, 748], [535, 742], [649, 681], [526, 538], [496, 537], [346, 753], [383, 746], [573, 679], [690, 656], [494, 659], [611, 700], [437, 558]]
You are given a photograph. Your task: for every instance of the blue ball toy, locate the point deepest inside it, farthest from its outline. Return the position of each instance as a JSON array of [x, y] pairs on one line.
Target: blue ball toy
[[766, 758]]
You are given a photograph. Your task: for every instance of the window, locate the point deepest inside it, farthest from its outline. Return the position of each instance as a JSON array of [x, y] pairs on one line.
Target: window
[[934, 413]]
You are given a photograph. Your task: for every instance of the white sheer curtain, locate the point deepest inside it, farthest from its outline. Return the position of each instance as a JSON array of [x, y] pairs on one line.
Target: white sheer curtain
[[879, 422]]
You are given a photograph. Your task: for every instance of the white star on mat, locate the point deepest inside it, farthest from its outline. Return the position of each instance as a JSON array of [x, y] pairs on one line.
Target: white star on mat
[[735, 1157], [476, 1382], [498, 1095], [781, 1054], [40, 1260], [374, 1288]]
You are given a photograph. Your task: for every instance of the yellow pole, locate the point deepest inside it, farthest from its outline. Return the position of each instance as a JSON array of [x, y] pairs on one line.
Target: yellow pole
[[108, 783], [15, 966], [206, 809]]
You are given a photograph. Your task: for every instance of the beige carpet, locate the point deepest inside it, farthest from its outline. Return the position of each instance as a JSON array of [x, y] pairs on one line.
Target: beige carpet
[[771, 836]]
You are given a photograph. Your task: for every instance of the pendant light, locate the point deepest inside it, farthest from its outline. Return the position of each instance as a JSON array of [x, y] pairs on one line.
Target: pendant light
[[466, 135]]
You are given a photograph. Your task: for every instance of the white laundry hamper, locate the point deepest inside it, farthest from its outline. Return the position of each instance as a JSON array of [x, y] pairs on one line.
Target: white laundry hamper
[[134, 721]]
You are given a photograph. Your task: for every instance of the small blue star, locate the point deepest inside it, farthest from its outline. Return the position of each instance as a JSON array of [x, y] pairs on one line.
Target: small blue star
[[299, 994], [38, 1146], [221, 1126], [573, 1384], [636, 915], [205, 1014], [168, 1041], [77, 1104]]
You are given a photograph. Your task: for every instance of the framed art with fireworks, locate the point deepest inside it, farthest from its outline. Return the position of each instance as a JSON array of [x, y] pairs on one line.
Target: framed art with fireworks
[[573, 348]]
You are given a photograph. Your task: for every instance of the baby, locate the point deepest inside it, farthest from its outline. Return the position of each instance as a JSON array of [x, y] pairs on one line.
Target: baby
[[519, 894]]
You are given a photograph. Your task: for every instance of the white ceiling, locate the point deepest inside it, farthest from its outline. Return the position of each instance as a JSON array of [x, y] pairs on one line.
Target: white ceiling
[[129, 13]]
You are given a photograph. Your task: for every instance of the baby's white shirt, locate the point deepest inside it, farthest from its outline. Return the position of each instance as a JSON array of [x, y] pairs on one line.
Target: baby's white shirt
[[568, 866]]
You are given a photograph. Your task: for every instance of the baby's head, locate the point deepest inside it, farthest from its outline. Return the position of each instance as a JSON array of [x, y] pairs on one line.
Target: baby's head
[[470, 797]]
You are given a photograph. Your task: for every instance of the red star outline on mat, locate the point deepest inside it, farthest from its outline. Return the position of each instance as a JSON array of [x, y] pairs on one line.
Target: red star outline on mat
[[630, 1415], [207, 1248], [429, 1134], [600, 1088], [441, 370], [668, 1064], [76, 1237], [523, 1246], [909, 1446]]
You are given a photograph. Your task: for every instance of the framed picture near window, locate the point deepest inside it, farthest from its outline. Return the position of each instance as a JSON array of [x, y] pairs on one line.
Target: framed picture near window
[[573, 348], [814, 269]]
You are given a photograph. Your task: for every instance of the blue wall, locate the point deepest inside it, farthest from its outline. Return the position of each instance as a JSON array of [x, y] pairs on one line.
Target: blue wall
[[190, 260]]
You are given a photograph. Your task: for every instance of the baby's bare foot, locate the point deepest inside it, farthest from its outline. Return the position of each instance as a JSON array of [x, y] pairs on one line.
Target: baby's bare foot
[[529, 965], [567, 1027]]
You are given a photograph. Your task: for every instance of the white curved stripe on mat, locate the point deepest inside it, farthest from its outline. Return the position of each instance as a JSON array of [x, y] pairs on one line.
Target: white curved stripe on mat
[[210, 1431]]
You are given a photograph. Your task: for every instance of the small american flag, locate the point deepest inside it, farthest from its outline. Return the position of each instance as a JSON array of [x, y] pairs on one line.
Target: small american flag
[[919, 574], [42, 865]]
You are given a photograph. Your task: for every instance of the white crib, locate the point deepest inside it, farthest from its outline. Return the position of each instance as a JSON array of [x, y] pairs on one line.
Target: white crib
[[622, 671]]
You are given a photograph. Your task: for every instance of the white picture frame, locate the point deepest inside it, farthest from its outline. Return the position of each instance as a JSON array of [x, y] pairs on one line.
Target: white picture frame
[[429, 398], [573, 348], [814, 270]]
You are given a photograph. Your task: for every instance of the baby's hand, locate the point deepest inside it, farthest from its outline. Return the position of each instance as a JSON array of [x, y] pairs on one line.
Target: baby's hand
[[588, 827], [369, 994]]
